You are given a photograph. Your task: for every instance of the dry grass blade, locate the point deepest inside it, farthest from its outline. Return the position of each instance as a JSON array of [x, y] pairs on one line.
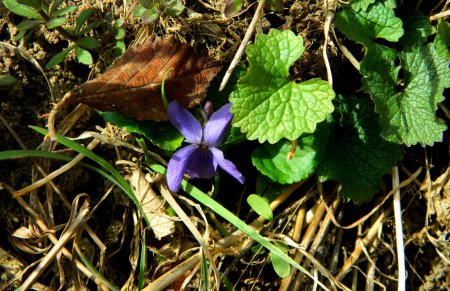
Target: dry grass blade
[[56, 173], [78, 218]]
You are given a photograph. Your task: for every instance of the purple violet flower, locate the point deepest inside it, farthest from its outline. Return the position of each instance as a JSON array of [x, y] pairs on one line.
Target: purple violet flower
[[201, 158]]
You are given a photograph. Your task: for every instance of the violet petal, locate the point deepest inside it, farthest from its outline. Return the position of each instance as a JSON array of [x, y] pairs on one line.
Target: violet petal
[[226, 165], [217, 126], [177, 166], [202, 164], [185, 122]]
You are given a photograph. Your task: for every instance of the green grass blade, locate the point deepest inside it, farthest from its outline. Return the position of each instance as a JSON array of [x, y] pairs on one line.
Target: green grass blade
[[142, 263], [230, 217], [20, 154], [101, 162]]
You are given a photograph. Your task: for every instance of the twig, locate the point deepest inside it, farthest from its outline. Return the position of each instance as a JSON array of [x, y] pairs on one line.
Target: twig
[[399, 232], [240, 51], [330, 12], [440, 15]]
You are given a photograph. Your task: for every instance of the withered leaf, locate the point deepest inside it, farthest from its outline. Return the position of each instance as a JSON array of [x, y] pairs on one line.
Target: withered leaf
[[133, 85], [152, 205]]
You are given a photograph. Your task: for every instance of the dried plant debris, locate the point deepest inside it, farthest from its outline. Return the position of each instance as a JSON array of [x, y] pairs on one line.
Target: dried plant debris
[[133, 85], [152, 204]]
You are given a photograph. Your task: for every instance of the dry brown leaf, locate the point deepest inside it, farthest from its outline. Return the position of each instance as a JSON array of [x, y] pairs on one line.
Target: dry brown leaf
[[133, 85], [152, 205]]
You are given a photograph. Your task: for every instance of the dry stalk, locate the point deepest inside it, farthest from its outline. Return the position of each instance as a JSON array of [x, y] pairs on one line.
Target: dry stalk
[[318, 240], [58, 244], [403, 184], [55, 173], [243, 45], [307, 237], [399, 231], [330, 11], [186, 220], [371, 234], [440, 15]]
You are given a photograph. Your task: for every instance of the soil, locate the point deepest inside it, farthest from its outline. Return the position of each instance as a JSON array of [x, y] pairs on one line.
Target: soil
[[425, 201]]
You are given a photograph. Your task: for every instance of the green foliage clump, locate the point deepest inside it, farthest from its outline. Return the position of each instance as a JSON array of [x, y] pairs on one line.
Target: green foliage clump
[[150, 10], [53, 15]]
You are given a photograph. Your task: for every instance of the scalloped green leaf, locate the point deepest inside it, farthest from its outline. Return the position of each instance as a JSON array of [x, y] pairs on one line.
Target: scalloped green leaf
[[378, 21], [407, 111], [272, 160], [361, 4], [356, 155], [162, 134], [260, 205], [442, 39], [417, 28], [267, 105]]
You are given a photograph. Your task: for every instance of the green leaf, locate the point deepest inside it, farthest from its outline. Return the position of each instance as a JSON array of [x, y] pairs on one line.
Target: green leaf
[[148, 4], [7, 80], [35, 4], [442, 39], [361, 4], [417, 28], [120, 48], [22, 10], [356, 155], [88, 42], [260, 205], [55, 22], [266, 104], [28, 24], [59, 57], [281, 267], [232, 7], [175, 9], [407, 107], [139, 11], [57, 3], [119, 34], [84, 56], [379, 21], [118, 23], [268, 188], [20, 35], [90, 27], [161, 134], [82, 18], [274, 5], [272, 160], [150, 15]]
